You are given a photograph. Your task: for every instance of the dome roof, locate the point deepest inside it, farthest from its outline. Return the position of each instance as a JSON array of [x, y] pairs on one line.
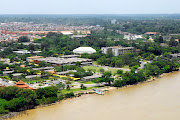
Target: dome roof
[[84, 50]]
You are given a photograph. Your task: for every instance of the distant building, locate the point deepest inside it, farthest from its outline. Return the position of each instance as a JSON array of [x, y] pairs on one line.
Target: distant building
[[150, 33], [117, 50], [164, 45], [81, 50], [167, 38], [113, 21], [31, 59], [177, 40], [67, 32], [78, 36], [176, 55], [23, 52], [132, 37]]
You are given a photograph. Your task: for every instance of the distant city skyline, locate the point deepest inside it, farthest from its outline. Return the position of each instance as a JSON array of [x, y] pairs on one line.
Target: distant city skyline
[[90, 7]]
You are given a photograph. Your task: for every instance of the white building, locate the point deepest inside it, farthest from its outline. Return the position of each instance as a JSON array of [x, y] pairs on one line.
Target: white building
[[117, 50], [81, 50], [132, 37]]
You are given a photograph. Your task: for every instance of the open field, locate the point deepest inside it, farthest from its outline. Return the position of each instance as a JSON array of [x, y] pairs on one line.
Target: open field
[[97, 69]]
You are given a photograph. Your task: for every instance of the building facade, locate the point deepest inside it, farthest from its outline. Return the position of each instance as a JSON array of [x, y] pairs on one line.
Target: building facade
[[117, 50]]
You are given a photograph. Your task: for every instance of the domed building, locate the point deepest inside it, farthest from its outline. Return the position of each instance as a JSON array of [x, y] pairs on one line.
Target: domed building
[[81, 50]]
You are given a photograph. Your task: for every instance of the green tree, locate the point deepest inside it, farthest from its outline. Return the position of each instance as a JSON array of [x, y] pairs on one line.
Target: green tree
[[23, 39], [60, 85]]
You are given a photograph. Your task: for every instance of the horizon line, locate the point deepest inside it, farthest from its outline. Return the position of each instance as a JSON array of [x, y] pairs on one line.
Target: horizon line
[[96, 14]]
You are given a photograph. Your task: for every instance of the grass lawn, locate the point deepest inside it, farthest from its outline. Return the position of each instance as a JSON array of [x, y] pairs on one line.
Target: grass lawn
[[88, 82], [126, 66], [98, 68], [5, 77], [94, 63], [76, 90]]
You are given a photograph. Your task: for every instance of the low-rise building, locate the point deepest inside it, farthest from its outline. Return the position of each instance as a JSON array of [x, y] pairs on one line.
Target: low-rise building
[[117, 50], [55, 61], [31, 59], [78, 36], [176, 55], [150, 33], [132, 37], [23, 52], [89, 78]]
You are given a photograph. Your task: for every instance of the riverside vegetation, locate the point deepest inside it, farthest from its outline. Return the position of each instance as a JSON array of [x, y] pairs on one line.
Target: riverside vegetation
[[14, 99]]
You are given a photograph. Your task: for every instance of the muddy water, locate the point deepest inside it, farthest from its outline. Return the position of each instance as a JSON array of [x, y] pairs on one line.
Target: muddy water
[[157, 100]]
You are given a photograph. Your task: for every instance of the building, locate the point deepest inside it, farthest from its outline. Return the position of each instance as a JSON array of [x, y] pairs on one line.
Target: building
[[31, 59], [89, 78], [43, 68], [176, 55], [150, 33], [133, 37], [67, 32], [79, 36], [167, 38], [65, 72], [81, 50], [7, 72], [117, 50], [113, 21], [55, 61], [70, 56], [21, 84], [32, 76], [23, 52], [17, 74]]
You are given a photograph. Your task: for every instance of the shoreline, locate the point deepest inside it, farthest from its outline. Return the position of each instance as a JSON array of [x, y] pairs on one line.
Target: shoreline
[[87, 92]]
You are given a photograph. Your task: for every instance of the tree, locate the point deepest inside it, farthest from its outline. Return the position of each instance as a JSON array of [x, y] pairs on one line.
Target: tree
[[31, 47], [42, 64], [173, 43], [1, 72], [119, 63], [83, 87], [23, 39], [159, 39], [119, 72], [107, 77], [12, 57], [68, 87], [78, 63], [101, 70], [60, 85]]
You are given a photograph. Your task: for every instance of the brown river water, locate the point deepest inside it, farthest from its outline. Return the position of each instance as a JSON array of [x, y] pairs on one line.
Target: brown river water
[[156, 100]]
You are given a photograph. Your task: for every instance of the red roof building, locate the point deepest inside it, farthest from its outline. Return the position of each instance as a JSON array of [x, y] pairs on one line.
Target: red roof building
[[21, 84]]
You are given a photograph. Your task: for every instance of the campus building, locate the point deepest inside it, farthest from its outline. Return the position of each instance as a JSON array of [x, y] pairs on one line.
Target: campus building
[[117, 50], [55, 61]]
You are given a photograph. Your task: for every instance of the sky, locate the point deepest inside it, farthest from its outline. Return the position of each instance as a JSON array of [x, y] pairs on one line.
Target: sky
[[89, 6]]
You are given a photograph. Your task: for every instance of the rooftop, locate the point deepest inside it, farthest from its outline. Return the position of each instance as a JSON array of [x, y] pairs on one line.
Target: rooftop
[[56, 60], [93, 76], [21, 84]]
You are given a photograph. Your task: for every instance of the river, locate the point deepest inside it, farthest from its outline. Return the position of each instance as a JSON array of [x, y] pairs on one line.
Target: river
[[156, 100]]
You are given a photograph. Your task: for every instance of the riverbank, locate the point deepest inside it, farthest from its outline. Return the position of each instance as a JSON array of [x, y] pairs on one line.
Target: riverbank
[[90, 92]]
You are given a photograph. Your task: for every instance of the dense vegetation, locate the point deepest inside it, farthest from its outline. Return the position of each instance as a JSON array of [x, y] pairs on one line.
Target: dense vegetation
[[163, 64], [14, 99]]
